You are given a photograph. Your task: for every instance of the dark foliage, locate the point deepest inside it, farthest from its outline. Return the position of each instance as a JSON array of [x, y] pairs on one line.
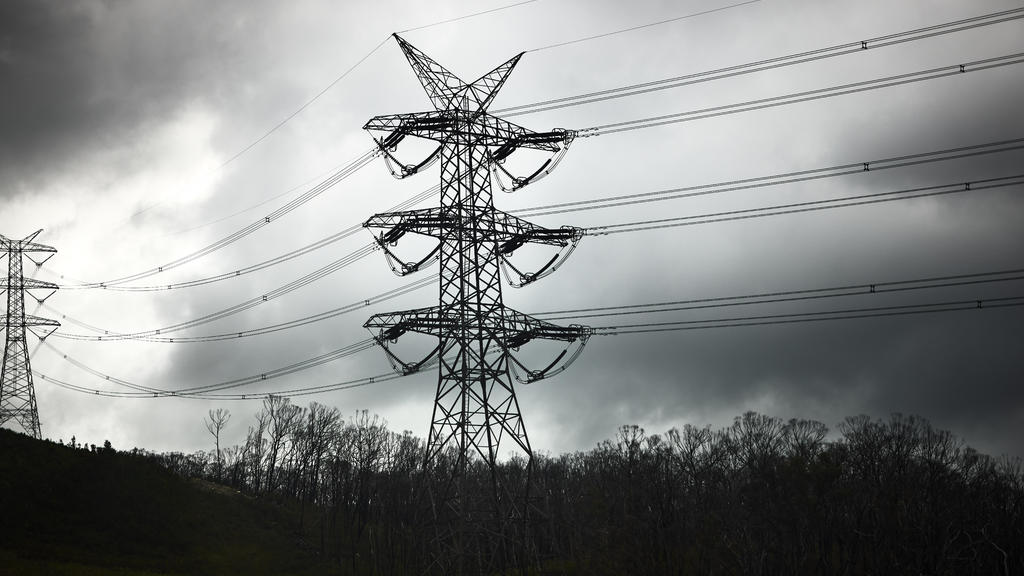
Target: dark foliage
[[762, 496], [69, 510]]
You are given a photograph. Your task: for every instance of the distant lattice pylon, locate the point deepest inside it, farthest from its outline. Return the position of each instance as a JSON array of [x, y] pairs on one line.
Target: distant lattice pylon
[[17, 392], [475, 405]]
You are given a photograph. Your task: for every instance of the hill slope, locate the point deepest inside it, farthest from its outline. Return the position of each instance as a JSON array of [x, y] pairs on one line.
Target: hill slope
[[68, 511]]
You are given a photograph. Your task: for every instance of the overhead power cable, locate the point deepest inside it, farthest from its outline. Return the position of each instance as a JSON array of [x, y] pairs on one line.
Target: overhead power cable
[[263, 202], [466, 16], [900, 37], [579, 313], [802, 317], [232, 310], [325, 185], [642, 26], [226, 384], [304, 105], [860, 46], [809, 206], [610, 202], [636, 89], [805, 96], [777, 179], [288, 393], [639, 328], [215, 391], [774, 297], [720, 73], [644, 87], [344, 74], [305, 321], [675, 193], [706, 76], [286, 257]]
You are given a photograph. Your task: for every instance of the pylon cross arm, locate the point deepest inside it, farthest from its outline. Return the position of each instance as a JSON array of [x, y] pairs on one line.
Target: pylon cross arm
[[511, 232], [483, 128], [37, 321], [486, 224], [28, 284], [511, 327], [427, 221], [36, 247], [524, 328]]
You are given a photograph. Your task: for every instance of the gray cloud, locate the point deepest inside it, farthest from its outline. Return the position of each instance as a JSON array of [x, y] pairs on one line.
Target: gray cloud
[[91, 76], [94, 84]]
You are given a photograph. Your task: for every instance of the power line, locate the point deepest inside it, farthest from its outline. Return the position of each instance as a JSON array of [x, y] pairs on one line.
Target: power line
[[642, 26], [967, 187], [140, 389], [668, 194], [929, 283], [214, 392], [636, 89], [778, 179], [717, 74], [666, 119], [805, 96], [286, 257], [310, 194], [458, 18], [615, 201], [795, 318], [721, 73], [639, 328], [342, 76], [809, 206], [859, 46], [237, 308], [305, 105], [258, 204], [293, 392], [305, 321], [775, 210]]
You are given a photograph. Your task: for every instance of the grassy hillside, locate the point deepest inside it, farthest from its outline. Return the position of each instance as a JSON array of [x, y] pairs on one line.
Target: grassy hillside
[[68, 511]]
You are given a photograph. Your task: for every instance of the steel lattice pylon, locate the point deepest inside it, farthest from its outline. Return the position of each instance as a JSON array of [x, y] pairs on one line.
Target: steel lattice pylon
[[17, 393], [475, 406]]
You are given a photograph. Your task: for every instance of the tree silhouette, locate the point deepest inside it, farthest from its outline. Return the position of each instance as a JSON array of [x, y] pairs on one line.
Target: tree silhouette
[[216, 420], [760, 496]]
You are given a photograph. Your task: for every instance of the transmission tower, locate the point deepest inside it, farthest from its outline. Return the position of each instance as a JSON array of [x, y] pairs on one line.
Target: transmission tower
[[17, 393], [478, 337]]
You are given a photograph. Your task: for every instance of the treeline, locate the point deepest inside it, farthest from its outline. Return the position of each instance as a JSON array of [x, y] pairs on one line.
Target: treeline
[[762, 496], [353, 480]]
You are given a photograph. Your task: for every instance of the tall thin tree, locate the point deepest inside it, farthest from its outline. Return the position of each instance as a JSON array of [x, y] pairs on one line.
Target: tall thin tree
[[216, 420]]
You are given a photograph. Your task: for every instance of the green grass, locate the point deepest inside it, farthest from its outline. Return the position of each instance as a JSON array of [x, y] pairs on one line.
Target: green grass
[[70, 511]]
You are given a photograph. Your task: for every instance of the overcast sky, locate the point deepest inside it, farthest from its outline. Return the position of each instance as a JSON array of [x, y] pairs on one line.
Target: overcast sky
[[116, 119]]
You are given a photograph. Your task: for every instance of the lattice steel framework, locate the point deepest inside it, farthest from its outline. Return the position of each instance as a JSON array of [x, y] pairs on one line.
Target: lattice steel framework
[[475, 406], [17, 393]]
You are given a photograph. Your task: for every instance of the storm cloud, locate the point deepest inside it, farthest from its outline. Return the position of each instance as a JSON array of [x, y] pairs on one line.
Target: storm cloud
[[118, 118]]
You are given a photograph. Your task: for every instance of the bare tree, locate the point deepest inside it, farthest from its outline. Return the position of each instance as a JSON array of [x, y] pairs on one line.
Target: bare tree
[[217, 419], [761, 496], [284, 417]]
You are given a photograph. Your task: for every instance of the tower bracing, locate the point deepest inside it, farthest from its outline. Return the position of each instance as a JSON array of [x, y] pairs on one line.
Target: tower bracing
[[17, 393], [480, 515]]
